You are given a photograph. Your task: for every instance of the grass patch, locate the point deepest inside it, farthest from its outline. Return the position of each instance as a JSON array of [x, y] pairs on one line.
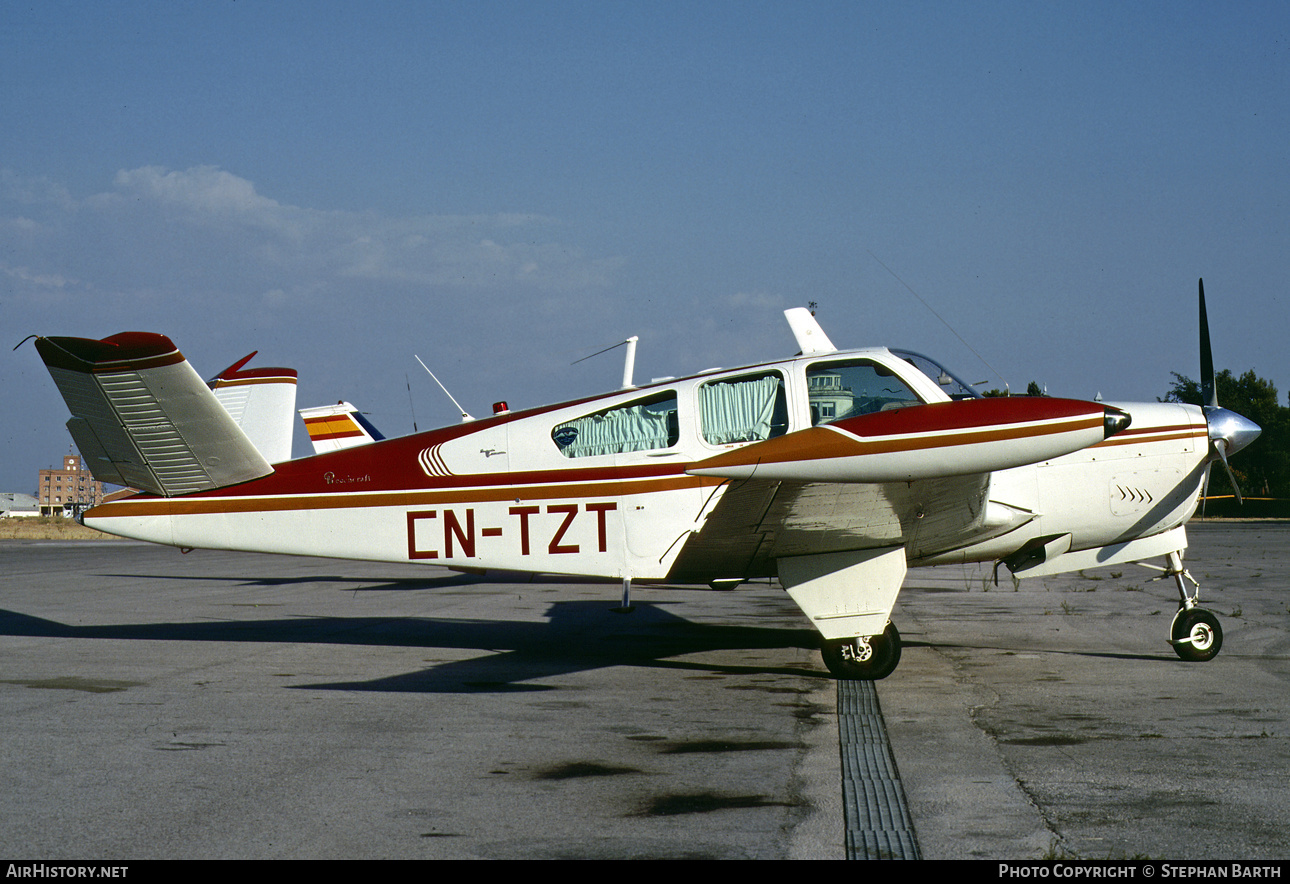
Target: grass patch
[[48, 528]]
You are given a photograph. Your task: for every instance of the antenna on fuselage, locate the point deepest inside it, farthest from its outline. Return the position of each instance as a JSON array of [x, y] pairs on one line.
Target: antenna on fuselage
[[953, 330], [465, 415], [629, 361], [407, 380]]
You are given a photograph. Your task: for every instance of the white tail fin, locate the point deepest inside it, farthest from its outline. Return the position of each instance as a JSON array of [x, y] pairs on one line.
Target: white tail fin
[[263, 403], [333, 427], [142, 417], [810, 337]]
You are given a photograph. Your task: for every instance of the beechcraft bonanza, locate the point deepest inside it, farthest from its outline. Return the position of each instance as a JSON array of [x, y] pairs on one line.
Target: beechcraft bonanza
[[834, 471]]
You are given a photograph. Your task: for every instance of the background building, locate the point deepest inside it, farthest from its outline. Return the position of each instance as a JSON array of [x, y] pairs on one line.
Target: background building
[[14, 505], [69, 491]]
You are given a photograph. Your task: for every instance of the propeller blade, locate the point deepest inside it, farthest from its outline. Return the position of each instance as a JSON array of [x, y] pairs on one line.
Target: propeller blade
[[1204, 489], [1220, 445], [1208, 389], [1229, 432]]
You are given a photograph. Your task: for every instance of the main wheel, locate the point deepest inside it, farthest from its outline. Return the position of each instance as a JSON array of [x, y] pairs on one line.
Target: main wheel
[[863, 659], [1196, 635]]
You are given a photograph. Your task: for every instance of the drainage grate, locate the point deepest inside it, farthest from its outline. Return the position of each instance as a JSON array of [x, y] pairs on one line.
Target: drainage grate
[[878, 825]]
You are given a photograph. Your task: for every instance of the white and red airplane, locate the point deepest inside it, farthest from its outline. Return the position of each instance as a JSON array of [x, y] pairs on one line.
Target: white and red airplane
[[833, 471]]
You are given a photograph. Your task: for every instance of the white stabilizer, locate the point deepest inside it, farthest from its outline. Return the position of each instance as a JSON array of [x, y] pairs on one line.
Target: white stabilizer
[[810, 337], [265, 410], [846, 594]]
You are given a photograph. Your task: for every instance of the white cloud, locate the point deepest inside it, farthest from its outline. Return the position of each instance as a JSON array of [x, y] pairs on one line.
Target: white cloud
[[33, 191], [20, 224], [40, 280], [205, 231], [201, 188], [755, 300]]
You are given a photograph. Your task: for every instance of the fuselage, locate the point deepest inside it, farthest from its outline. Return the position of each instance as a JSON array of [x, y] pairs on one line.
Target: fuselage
[[603, 486]]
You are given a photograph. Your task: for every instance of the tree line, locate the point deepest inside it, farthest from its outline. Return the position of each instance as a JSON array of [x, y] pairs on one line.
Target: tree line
[[1263, 468]]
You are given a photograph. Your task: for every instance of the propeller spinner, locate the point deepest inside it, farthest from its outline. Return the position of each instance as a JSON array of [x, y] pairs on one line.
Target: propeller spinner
[[1229, 432]]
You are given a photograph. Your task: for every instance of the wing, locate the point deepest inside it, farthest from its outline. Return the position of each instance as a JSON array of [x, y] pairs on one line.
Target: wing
[[142, 417], [924, 442], [836, 510], [757, 522]]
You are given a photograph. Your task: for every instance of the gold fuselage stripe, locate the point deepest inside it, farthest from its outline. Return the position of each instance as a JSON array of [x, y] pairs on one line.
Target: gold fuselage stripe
[[180, 506]]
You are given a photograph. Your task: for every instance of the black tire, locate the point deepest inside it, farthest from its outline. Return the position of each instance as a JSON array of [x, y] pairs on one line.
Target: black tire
[[879, 663], [1197, 635]]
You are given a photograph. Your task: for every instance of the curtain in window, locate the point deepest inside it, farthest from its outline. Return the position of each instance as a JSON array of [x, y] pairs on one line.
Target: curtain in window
[[632, 428], [738, 411]]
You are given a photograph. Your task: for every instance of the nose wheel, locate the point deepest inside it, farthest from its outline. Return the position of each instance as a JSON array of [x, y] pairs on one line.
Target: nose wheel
[[1196, 634], [863, 658]]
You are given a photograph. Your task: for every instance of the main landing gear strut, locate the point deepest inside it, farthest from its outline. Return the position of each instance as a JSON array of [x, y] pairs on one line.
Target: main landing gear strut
[[864, 658], [1195, 633]]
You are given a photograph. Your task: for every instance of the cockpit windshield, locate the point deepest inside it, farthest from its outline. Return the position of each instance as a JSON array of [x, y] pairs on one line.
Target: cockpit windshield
[[954, 386]]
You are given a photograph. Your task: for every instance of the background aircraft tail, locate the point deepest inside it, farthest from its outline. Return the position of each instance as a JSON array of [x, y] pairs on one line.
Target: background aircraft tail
[[263, 403], [333, 427]]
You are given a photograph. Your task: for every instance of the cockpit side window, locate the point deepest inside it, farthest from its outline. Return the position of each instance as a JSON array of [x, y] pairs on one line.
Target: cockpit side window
[[641, 425], [743, 409], [837, 390]]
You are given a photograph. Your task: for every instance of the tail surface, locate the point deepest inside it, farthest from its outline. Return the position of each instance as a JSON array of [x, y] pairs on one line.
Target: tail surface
[[263, 403], [333, 427], [142, 417]]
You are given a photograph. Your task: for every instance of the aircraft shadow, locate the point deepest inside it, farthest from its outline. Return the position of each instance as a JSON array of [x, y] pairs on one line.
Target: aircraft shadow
[[354, 584], [384, 584], [578, 636], [1161, 657]]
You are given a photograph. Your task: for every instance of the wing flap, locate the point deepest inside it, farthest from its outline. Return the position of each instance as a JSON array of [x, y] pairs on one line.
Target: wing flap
[[146, 417]]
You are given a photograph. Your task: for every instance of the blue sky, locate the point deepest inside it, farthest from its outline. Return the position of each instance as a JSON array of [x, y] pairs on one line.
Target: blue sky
[[502, 188]]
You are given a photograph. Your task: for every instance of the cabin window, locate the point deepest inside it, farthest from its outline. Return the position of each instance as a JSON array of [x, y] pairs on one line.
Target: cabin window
[[746, 409], [838, 390], [642, 425]]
